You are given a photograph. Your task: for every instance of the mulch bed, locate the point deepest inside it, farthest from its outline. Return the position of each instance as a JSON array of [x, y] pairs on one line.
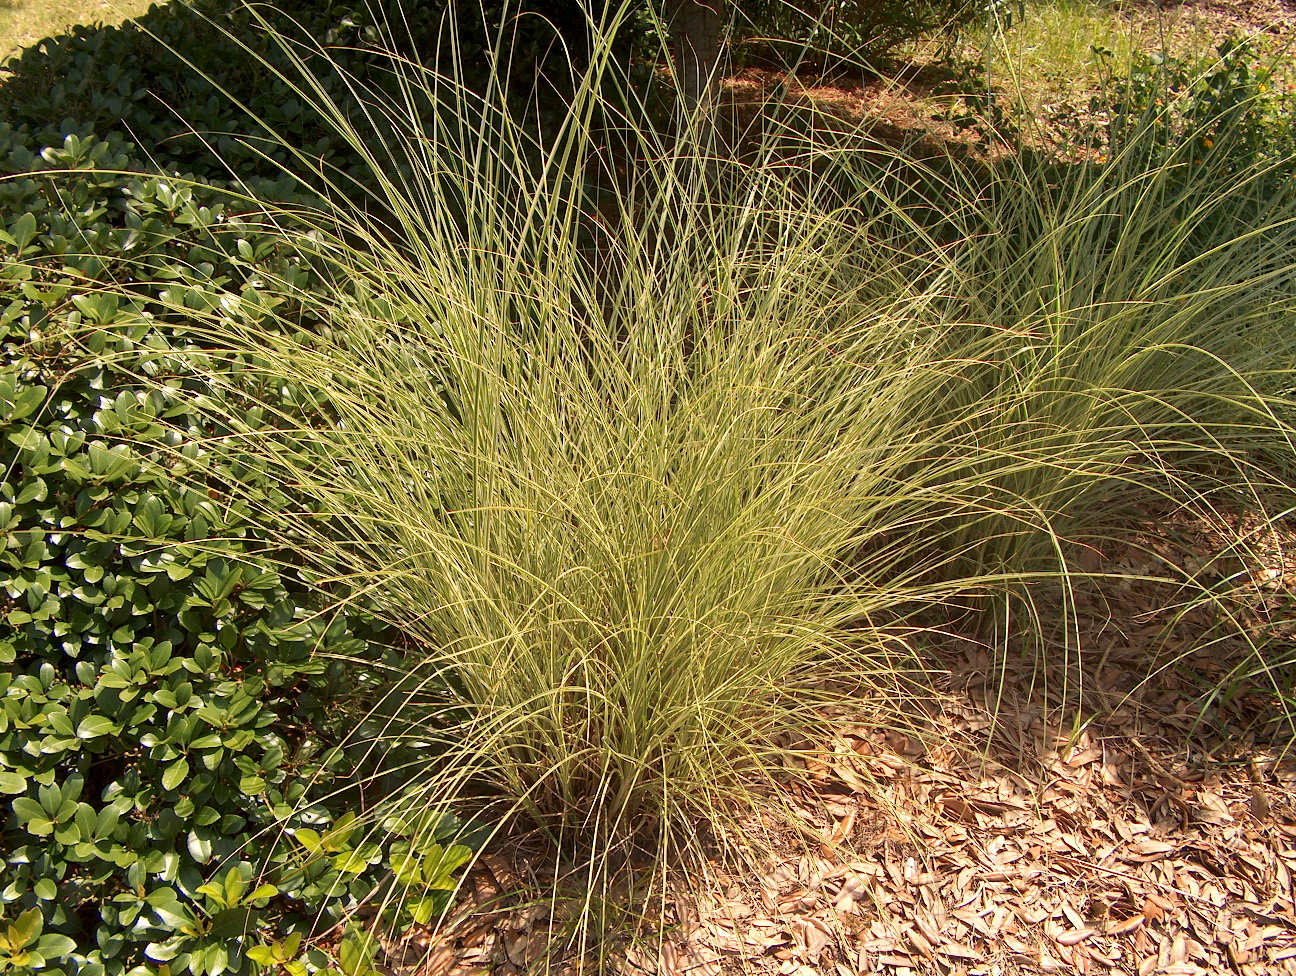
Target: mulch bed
[[1094, 815], [1097, 814]]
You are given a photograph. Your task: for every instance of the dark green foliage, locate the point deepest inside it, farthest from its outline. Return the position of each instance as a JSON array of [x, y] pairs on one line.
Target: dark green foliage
[[179, 758], [155, 91], [200, 86], [838, 34]]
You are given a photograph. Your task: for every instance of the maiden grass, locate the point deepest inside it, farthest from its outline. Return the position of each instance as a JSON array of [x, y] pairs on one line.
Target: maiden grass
[[655, 489]]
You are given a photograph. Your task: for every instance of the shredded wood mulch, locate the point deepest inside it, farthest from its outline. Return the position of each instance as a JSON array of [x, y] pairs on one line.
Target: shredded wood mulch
[[1106, 812], [1100, 814]]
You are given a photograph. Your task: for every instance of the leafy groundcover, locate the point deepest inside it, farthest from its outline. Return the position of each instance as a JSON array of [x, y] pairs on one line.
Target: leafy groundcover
[[178, 752]]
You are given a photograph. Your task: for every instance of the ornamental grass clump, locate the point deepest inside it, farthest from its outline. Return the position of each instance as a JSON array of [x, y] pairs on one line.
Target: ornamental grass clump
[[615, 519], [612, 483], [665, 464]]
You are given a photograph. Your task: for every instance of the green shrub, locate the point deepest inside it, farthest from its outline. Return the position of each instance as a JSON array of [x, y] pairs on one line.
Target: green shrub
[[215, 88], [178, 746], [1226, 115]]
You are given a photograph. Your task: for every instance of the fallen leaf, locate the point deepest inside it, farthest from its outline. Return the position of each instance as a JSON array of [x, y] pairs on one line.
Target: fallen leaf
[[1128, 925], [1211, 808], [1148, 850], [1074, 936], [1259, 803]]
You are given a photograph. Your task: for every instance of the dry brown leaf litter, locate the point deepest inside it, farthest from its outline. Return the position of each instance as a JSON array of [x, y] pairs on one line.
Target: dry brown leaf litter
[[1147, 840]]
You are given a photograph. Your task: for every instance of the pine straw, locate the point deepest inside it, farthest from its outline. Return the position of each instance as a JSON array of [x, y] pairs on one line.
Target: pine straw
[[1157, 837]]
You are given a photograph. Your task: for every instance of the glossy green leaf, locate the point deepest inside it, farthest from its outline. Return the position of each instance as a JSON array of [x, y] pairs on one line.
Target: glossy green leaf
[[175, 774]]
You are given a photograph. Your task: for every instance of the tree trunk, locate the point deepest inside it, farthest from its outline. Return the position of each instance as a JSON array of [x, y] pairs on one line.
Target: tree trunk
[[694, 27]]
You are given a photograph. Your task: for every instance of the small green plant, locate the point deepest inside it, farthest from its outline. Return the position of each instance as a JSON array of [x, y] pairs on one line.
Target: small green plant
[[285, 956], [1227, 115], [356, 952]]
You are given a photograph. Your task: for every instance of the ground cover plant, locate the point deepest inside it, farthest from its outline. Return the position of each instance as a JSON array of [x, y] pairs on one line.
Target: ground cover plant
[[166, 708], [599, 510]]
